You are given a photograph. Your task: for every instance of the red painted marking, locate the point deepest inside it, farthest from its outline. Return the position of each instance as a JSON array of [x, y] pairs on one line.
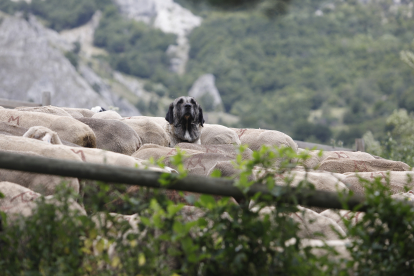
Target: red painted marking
[[172, 152], [342, 154], [212, 149], [356, 217], [30, 196], [376, 174], [242, 131], [346, 215], [81, 153], [299, 217], [362, 164], [279, 175], [14, 119], [197, 161], [30, 193]]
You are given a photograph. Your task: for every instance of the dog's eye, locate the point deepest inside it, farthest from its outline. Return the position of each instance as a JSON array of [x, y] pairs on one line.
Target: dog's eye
[[192, 101], [180, 101]]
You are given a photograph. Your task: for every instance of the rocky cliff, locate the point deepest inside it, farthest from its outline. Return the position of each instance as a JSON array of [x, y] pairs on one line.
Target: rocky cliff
[[169, 17], [32, 63], [32, 60], [205, 85]]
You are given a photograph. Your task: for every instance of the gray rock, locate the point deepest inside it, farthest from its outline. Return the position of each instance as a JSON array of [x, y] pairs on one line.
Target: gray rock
[[31, 63], [205, 84], [104, 89], [169, 17], [84, 35]]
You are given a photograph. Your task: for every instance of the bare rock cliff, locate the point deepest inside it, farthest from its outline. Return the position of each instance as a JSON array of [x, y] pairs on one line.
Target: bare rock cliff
[[31, 63], [169, 17]]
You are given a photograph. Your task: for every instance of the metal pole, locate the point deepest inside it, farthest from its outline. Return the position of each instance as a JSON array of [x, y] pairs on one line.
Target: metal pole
[[191, 183], [46, 98]]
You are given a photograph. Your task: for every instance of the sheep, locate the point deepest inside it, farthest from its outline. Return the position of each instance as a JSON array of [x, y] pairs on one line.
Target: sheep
[[352, 165], [107, 115], [45, 109], [316, 157], [113, 135], [149, 131], [21, 201], [79, 112], [255, 138], [67, 128], [212, 134], [41, 183]]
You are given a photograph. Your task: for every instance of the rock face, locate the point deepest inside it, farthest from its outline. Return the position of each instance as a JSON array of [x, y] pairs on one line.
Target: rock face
[[205, 84], [169, 17], [104, 89], [84, 35], [133, 85], [31, 63]]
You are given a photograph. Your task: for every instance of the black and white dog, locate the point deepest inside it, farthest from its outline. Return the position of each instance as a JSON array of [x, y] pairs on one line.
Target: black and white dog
[[185, 120]]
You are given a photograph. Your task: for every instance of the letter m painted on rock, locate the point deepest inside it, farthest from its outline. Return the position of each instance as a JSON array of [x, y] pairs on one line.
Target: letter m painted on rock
[[12, 119], [81, 154]]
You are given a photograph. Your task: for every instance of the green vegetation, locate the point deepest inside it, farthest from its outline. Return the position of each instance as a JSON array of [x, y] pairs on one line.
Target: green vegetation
[[272, 73], [399, 141], [134, 48], [64, 14], [346, 58], [224, 239]]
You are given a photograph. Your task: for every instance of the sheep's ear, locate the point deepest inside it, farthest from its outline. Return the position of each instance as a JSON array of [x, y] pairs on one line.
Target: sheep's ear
[[170, 114], [200, 116]]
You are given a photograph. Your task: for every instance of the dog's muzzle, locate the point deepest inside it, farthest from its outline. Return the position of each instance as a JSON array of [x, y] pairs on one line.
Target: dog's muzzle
[[188, 111]]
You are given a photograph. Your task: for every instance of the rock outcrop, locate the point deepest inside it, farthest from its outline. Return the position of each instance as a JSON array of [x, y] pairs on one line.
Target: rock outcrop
[[84, 36], [205, 85], [104, 89], [31, 63], [169, 17]]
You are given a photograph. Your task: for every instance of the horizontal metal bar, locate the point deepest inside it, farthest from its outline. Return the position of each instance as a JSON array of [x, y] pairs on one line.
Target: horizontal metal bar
[[147, 178]]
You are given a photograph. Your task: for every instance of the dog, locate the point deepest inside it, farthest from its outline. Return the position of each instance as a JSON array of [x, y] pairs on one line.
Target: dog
[[185, 120]]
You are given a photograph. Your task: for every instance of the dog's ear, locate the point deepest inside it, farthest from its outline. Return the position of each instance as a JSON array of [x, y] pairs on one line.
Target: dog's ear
[[170, 114], [200, 116]]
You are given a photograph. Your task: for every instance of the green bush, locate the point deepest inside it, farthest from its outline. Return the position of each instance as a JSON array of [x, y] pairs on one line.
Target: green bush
[[134, 48], [226, 239], [64, 14], [382, 239], [305, 130]]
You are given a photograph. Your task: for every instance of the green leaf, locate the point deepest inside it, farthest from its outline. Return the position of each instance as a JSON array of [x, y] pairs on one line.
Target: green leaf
[[173, 209], [216, 173], [207, 201]]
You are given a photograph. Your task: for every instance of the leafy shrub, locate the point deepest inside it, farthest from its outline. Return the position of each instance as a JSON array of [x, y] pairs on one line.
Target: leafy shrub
[[398, 143], [135, 48], [64, 14], [382, 243], [226, 239], [305, 130]]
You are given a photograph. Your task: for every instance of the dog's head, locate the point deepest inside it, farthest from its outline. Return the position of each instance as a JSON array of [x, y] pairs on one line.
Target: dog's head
[[185, 117], [184, 110]]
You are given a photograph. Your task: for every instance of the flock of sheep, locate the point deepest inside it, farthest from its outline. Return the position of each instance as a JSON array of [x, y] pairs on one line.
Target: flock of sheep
[[107, 138]]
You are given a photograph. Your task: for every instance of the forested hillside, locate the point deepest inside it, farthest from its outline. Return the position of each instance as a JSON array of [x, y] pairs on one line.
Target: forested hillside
[[338, 61], [326, 69]]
